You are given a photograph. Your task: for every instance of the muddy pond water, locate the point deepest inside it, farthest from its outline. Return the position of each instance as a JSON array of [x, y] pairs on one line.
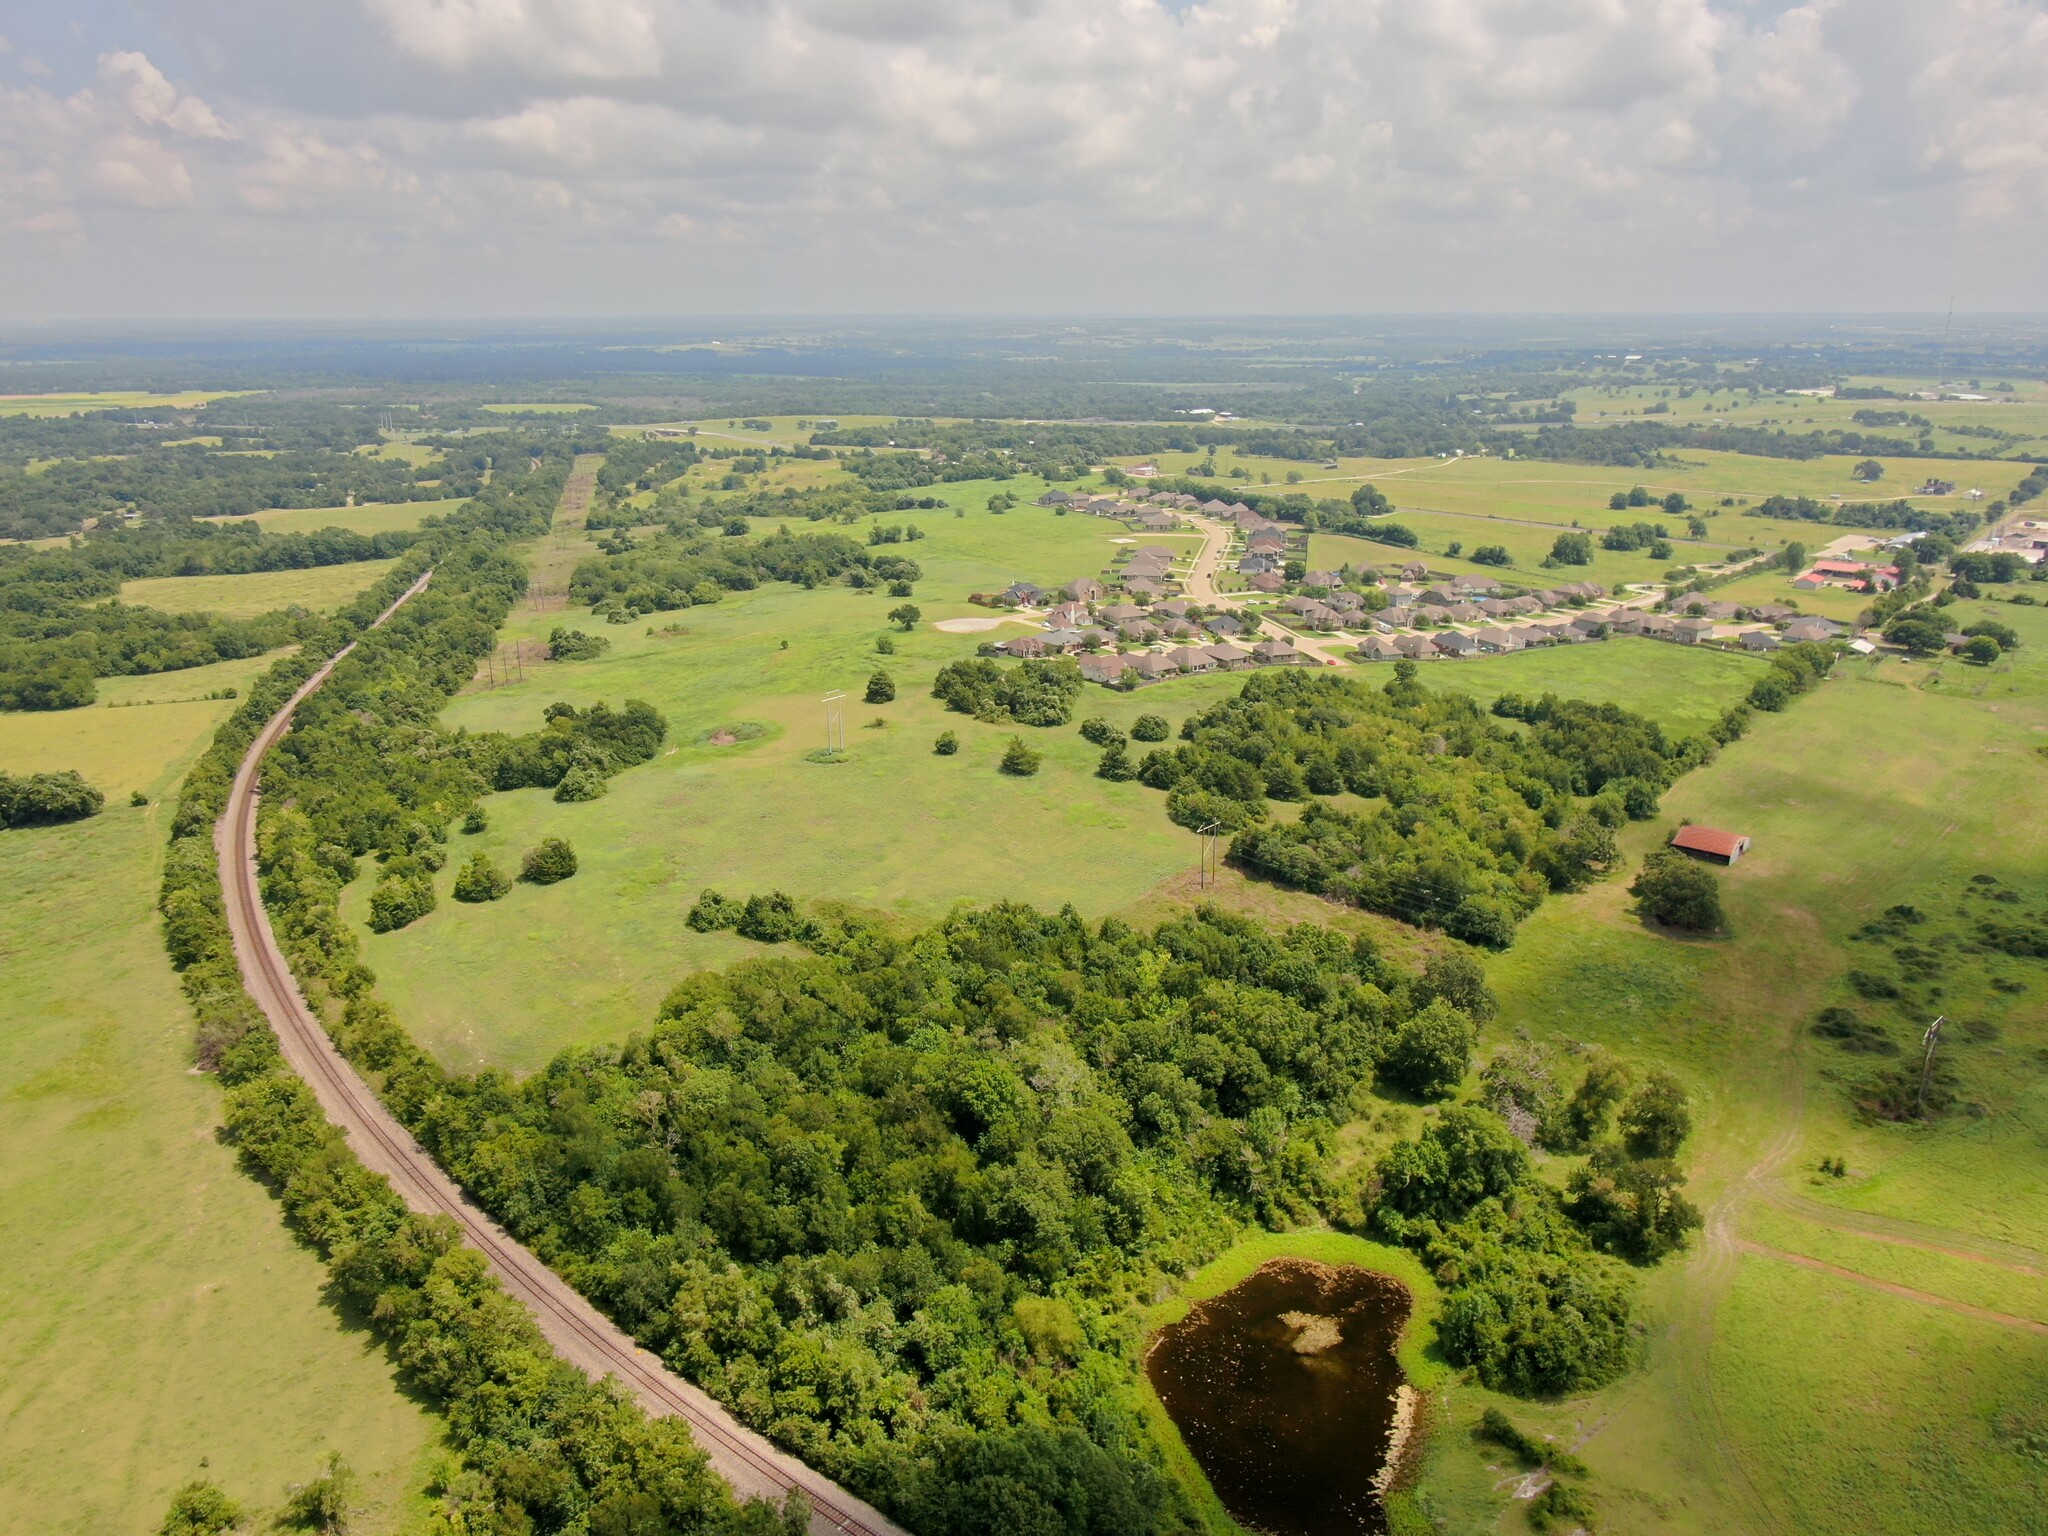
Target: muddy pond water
[[1284, 1389]]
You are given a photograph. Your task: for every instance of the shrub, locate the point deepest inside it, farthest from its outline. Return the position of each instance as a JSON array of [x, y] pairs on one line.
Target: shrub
[[1571, 549], [200, 1509], [773, 919], [1099, 732], [1019, 759], [713, 912], [481, 880], [44, 799], [401, 897], [1509, 1436], [1981, 650], [549, 860], [138, 799], [1116, 764], [476, 820], [575, 645], [1561, 1507], [884, 646], [1631, 1207], [881, 689], [1853, 1033], [1150, 728], [947, 744], [583, 782], [1657, 1118], [1429, 1053], [1678, 892]]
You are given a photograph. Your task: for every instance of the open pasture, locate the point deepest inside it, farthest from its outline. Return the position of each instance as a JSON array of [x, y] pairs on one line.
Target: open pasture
[[122, 740], [371, 517], [2023, 413], [111, 400], [244, 597], [158, 1323], [1866, 794], [1684, 688]]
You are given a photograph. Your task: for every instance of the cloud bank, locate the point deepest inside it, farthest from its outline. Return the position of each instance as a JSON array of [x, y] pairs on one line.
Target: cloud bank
[[414, 157]]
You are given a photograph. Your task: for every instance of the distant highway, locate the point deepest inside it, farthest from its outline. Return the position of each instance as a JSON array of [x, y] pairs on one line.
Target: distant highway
[[578, 1332]]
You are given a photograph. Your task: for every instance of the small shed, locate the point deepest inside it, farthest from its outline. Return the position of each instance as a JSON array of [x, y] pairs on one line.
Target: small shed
[[1710, 843]]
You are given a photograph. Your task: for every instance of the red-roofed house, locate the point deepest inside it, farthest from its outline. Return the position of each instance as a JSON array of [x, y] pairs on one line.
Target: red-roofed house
[[1707, 843]]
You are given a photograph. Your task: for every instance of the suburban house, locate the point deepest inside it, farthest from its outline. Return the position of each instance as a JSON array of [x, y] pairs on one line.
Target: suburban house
[[1084, 589], [1415, 647], [1658, 626], [1023, 594], [1529, 634], [1024, 646], [1812, 627], [1707, 843], [1377, 648], [1457, 643], [1226, 624], [1231, 658], [1150, 665], [1759, 640], [1190, 658], [1106, 668], [1497, 642], [1276, 653], [1692, 631], [1267, 581]]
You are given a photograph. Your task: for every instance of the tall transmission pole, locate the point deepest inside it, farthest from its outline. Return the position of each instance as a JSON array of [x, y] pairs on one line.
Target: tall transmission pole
[[1931, 1039], [835, 722]]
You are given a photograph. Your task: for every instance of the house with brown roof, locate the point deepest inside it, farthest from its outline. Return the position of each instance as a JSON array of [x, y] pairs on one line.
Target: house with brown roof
[[1191, 658], [1393, 618], [1150, 666], [1496, 642], [1692, 631], [1377, 648], [1120, 613], [1267, 581], [1106, 668], [1811, 627], [1084, 589], [1228, 657], [1530, 635], [1465, 613], [1415, 647], [1456, 643], [1276, 653], [1225, 624], [1711, 844], [1762, 641], [1144, 589], [1024, 645], [1657, 626]]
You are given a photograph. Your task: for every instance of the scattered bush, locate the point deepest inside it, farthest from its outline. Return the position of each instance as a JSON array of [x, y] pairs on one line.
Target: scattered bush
[[581, 783], [1496, 1426], [402, 896], [1150, 728], [575, 645], [1657, 1117], [1853, 1033], [1019, 759], [881, 689], [476, 820], [1429, 1053], [481, 880], [1678, 892], [713, 912], [1098, 732], [200, 1509], [947, 744], [549, 860]]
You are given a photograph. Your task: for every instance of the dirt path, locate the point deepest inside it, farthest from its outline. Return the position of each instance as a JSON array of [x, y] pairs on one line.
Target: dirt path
[[1911, 1234], [1891, 1288], [576, 1330]]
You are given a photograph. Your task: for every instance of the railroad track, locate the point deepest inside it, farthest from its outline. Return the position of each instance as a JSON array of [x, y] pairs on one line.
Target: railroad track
[[581, 1334]]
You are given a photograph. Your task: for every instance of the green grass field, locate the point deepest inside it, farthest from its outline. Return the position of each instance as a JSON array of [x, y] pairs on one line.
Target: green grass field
[[1775, 1397], [244, 597], [157, 1316], [120, 742], [1684, 688], [111, 400], [371, 517]]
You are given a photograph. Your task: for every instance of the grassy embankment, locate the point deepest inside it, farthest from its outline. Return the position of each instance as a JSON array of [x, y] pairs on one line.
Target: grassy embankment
[[1776, 1396], [157, 1318]]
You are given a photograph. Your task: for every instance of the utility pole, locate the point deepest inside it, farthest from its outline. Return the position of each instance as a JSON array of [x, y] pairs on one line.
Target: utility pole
[[1210, 871], [835, 722], [1931, 1039]]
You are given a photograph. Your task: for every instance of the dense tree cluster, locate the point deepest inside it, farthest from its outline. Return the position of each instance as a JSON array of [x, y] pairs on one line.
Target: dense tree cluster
[[1888, 515], [681, 568], [44, 799], [1040, 691], [890, 1200], [62, 626], [1477, 821]]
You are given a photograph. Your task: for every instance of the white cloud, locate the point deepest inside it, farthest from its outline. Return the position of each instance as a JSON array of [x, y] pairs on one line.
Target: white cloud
[[550, 39], [987, 152], [154, 100]]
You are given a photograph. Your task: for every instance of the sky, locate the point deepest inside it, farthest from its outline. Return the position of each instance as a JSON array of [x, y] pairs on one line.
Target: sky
[[350, 159]]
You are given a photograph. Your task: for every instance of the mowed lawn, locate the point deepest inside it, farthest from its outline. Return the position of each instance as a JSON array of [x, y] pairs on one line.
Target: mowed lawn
[[897, 829], [157, 1317], [244, 597], [1775, 1397], [110, 400]]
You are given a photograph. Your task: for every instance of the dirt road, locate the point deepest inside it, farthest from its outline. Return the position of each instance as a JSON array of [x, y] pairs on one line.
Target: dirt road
[[577, 1331]]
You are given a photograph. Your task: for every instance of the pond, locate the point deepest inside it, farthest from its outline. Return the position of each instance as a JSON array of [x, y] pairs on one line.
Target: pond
[[1285, 1389]]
